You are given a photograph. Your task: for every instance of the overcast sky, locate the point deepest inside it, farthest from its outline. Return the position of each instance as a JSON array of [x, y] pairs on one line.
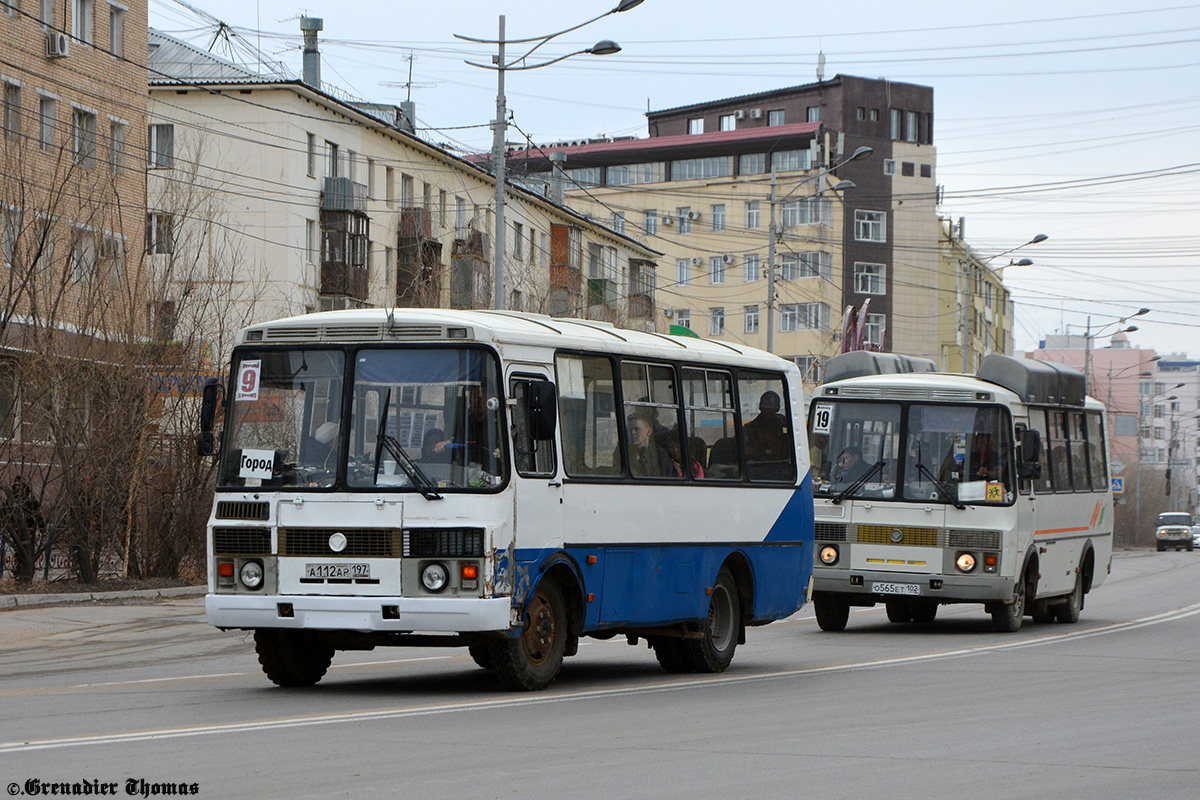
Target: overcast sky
[[1080, 120]]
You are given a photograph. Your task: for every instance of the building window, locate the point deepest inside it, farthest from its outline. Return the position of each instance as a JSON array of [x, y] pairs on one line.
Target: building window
[[874, 115], [618, 222], [870, 278], [695, 168], [860, 113], [889, 166], [632, 174], [162, 146], [47, 123], [752, 164], [82, 23], [752, 272], [927, 170], [83, 137], [116, 153], [727, 122], [10, 218], [910, 126], [870, 226], [775, 117], [82, 259], [716, 322], [789, 267], [683, 271], [908, 169], [310, 241], [407, 191], [718, 216], [816, 264], [650, 222], [751, 213], [791, 160], [160, 233], [873, 329], [716, 269], [311, 155], [116, 31], [750, 319], [332, 160], [696, 126], [683, 216], [12, 109], [804, 316], [813, 114], [896, 129]]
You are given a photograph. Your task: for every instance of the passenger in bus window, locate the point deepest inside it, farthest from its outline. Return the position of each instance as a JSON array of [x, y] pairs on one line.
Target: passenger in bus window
[[986, 464], [646, 458], [767, 434], [670, 443], [850, 466]]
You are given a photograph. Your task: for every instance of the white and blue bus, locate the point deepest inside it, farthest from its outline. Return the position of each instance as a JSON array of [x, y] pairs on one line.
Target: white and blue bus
[[933, 489], [503, 481]]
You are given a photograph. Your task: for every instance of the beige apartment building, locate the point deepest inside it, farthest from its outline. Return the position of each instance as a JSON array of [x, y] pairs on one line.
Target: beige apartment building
[[974, 311]]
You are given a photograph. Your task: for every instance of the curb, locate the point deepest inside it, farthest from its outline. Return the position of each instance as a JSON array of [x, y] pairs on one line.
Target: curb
[[11, 601]]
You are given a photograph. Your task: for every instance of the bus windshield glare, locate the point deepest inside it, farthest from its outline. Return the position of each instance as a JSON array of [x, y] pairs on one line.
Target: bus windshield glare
[[917, 452], [419, 419]]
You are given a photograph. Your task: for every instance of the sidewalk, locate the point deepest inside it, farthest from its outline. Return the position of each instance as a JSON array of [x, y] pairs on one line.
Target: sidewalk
[[11, 601]]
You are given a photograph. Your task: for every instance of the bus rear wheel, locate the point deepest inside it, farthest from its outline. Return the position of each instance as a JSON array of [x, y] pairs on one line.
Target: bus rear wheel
[[481, 654], [714, 651], [531, 661], [670, 654], [898, 611], [1069, 611], [832, 612], [924, 612], [292, 658], [1007, 617]]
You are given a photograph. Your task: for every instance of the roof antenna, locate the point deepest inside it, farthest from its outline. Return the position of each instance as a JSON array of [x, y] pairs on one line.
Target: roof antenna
[[820, 66]]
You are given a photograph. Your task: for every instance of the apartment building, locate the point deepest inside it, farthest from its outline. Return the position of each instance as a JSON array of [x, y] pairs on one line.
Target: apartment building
[[974, 309], [317, 202], [858, 234]]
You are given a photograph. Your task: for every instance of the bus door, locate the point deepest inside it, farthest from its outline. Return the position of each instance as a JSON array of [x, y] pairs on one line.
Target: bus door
[[538, 506]]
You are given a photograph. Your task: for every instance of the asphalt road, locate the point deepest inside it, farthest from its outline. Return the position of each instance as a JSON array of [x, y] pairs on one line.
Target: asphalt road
[[1106, 708]]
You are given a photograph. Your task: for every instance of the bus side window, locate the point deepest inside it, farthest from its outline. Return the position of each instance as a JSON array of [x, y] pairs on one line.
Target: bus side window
[[1077, 443], [534, 456], [651, 419], [708, 400], [1097, 457], [1037, 422], [1059, 453], [766, 433], [587, 415]]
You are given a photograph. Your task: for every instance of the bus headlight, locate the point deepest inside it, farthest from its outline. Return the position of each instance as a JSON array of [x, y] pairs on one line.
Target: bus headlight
[[829, 555], [435, 577], [251, 574], [965, 562]]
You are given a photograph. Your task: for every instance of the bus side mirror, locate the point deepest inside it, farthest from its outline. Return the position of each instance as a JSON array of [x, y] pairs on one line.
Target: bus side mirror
[[212, 395], [543, 410], [1031, 448]]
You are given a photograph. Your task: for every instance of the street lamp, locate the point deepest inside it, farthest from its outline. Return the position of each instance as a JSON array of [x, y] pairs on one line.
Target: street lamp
[[603, 47], [773, 228], [1089, 336], [969, 292]]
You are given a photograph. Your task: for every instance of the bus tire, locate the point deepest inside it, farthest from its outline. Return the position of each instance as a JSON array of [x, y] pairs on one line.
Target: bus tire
[[669, 652], [898, 611], [291, 658], [1007, 617], [924, 612], [1068, 612], [531, 661], [481, 654], [832, 612], [714, 651]]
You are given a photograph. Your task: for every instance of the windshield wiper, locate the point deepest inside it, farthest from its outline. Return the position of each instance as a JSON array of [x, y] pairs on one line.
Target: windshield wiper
[[859, 481], [942, 488], [383, 441]]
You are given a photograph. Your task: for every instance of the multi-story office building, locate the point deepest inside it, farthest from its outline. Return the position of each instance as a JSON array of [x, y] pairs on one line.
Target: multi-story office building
[[699, 188]]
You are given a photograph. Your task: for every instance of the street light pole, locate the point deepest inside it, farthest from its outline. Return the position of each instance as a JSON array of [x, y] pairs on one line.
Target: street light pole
[[500, 127], [1088, 336], [968, 271]]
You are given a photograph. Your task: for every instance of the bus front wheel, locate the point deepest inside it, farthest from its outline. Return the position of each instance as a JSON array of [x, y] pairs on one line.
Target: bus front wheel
[[714, 651], [1007, 617], [291, 658], [832, 612], [531, 661]]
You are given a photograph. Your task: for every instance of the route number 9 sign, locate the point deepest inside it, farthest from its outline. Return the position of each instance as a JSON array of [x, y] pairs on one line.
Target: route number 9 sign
[[247, 382]]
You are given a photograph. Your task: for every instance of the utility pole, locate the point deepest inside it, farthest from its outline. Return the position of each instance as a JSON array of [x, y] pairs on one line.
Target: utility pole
[[499, 131], [774, 232]]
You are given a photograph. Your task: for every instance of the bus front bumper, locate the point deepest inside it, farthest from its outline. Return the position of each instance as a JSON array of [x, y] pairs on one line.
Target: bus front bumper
[[390, 614], [869, 586]]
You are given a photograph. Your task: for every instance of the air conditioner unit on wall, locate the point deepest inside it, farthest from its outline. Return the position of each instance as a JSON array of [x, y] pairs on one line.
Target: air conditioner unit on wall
[[739, 114], [693, 215], [756, 113], [668, 221], [727, 258], [58, 45]]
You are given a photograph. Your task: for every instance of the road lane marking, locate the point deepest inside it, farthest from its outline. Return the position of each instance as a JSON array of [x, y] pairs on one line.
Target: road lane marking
[[283, 723]]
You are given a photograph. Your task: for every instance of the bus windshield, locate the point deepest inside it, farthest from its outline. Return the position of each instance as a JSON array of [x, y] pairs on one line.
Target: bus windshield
[[420, 419], [914, 452]]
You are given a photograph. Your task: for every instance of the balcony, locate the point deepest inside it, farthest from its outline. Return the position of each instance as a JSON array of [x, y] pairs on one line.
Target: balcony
[[416, 223], [343, 194]]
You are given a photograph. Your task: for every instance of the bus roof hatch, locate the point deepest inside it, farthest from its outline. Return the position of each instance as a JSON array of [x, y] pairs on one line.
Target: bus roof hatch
[[1034, 381]]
